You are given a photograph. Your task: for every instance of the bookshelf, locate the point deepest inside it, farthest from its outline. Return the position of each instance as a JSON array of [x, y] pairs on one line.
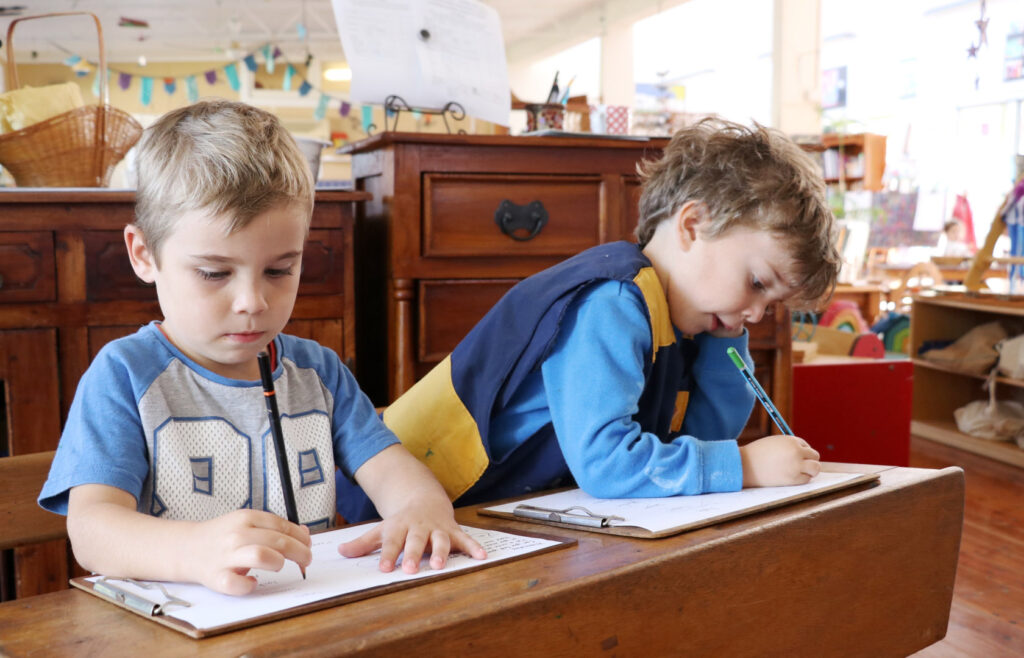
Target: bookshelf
[[853, 162], [939, 390]]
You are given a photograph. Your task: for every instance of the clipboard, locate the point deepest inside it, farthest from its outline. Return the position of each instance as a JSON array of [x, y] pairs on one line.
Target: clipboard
[[170, 604], [654, 518]]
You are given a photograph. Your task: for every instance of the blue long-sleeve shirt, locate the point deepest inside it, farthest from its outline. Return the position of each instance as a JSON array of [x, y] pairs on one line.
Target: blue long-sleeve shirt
[[589, 387]]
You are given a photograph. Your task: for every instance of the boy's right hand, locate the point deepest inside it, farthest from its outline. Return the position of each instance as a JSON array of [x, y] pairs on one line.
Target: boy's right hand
[[778, 461], [109, 536], [227, 547]]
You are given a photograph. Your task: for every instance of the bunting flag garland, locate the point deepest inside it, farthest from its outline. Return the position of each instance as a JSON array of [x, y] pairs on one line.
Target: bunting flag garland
[[270, 53], [146, 92]]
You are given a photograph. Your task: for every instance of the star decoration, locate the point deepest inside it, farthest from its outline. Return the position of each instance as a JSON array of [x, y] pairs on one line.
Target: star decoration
[[972, 51], [982, 24]]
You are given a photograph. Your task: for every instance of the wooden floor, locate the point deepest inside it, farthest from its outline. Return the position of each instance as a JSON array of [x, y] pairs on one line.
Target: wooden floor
[[987, 618]]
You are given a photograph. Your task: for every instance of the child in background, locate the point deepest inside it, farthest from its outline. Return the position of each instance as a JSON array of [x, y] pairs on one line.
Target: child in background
[[610, 369], [166, 467], [954, 239]]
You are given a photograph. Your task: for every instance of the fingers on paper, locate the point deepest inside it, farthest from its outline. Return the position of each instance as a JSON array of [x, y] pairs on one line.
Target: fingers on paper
[[466, 544], [362, 545], [230, 581]]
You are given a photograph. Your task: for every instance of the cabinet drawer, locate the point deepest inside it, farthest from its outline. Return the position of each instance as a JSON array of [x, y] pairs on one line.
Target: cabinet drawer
[[109, 274], [26, 267], [448, 309], [563, 214]]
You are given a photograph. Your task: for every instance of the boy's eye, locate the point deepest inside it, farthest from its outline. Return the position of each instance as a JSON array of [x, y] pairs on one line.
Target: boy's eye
[[279, 271], [211, 275], [758, 285]]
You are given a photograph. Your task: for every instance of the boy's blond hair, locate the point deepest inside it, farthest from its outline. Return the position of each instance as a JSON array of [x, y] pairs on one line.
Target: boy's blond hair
[[754, 177], [226, 158]]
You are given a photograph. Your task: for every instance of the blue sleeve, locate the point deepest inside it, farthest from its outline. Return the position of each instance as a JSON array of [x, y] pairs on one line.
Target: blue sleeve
[[594, 379], [720, 400], [103, 441], [358, 432]]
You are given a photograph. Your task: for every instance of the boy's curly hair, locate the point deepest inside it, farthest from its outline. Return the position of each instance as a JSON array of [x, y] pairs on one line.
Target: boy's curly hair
[[754, 177], [223, 157]]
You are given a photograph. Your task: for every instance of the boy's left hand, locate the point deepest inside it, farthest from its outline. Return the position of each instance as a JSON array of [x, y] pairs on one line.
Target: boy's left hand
[[417, 514]]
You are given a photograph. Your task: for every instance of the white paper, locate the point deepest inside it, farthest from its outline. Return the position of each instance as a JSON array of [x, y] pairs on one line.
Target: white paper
[[659, 514], [327, 576], [429, 52]]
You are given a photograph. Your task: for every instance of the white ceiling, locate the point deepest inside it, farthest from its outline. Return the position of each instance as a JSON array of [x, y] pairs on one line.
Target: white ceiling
[[225, 29]]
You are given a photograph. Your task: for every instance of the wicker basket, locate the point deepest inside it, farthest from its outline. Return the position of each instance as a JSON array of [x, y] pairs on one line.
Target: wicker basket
[[79, 148]]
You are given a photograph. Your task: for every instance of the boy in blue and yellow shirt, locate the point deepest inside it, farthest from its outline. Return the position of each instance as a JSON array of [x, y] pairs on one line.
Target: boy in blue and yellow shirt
[[610, 369]]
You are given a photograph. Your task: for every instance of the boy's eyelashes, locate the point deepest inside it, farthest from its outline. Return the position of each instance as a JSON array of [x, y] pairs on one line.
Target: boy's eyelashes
[[218, 275]]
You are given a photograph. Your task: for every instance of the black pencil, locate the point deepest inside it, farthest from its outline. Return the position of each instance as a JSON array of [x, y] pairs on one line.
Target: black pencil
[[266, 376]]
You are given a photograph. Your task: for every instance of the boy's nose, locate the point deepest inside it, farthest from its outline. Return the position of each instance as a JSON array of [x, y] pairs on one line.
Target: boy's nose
[[250, 298], [755, 313]]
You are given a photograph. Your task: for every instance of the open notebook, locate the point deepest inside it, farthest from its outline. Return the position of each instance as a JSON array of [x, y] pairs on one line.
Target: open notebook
[[652, 518], [331, 580]]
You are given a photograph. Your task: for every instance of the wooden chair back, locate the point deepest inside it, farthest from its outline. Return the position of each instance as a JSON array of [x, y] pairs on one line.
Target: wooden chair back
[[22, 521]]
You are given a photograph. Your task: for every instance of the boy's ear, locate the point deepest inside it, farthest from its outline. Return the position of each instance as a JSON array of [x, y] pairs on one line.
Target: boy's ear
[[139, 254], [689, 220]]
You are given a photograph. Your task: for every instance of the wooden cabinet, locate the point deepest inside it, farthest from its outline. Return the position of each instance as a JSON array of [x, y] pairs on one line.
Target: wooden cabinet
[[67, 288], [939, 390], [456, 220], [855, 161]]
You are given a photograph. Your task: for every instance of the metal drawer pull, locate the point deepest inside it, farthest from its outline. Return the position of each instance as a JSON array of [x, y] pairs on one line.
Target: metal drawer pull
[[530, 218]]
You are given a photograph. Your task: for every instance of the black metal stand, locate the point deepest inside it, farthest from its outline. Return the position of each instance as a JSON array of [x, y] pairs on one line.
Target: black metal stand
[[394, 105]]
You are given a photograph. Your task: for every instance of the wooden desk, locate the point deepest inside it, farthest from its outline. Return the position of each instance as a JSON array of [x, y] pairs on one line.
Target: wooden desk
[[435, 254], [866, 572], [67, 289]]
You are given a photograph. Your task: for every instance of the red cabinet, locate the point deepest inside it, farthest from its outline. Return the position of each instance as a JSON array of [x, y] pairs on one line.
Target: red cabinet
[[855, 411]]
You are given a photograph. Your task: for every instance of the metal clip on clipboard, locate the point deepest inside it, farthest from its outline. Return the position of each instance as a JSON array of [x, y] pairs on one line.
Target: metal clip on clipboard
[[588, 518], [107, 587]]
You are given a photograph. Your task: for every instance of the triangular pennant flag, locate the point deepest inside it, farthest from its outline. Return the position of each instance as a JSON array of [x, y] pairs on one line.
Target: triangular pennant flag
[[346, 107], [192, 88], [231, 71], [72, 60], [305, 88], [96, 83], [146, 90], [286, 84], [367, 117], [268, 58], [277, 52], [250, 62], [300, 29], [170, 85], [321, 108], [124, 80], [211, 77]]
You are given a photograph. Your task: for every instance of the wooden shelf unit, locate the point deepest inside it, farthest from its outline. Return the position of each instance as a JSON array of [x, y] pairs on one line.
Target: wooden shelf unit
[[940, 390], [868, 146]]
